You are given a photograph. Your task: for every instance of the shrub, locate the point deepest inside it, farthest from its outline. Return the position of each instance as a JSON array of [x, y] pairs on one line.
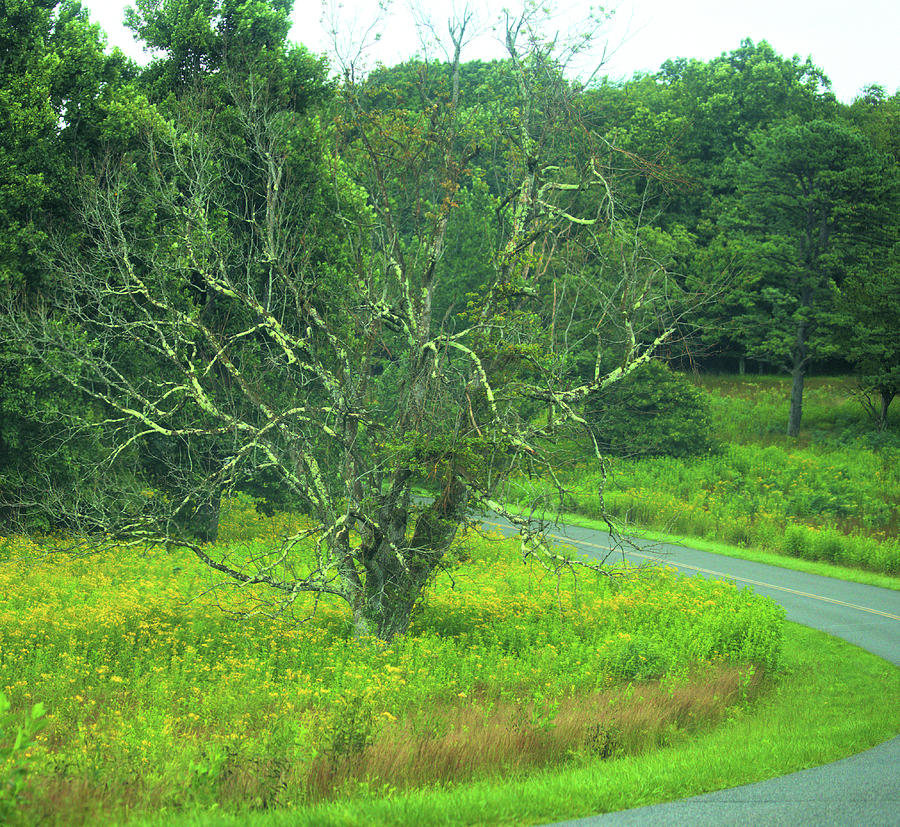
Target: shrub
[[827, 544], [652, 412], [796, 540]]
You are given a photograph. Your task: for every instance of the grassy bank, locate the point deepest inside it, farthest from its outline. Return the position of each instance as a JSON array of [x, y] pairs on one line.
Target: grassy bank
[[511, 701], [831, 700]]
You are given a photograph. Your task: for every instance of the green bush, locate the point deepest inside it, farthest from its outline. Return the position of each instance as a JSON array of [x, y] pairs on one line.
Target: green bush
[[652, 412], [796, 540], [827, 544]]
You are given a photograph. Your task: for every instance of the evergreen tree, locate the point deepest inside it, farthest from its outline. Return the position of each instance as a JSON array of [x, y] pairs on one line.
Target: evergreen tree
[[803, 196]]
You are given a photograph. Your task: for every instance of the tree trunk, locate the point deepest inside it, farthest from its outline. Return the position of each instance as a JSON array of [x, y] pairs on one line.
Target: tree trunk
[[397, 570], [742, 365], [200, 519], [886, 397], [798, 374], [799, 363], [386, 603], [207, 519], [382, 615]]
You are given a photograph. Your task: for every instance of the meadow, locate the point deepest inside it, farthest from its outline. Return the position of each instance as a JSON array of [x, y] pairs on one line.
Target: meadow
[[831, 495], [163, 708], [158, 702]]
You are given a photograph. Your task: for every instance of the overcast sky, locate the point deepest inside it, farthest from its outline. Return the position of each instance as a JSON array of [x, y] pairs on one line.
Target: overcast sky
[[855, 43]]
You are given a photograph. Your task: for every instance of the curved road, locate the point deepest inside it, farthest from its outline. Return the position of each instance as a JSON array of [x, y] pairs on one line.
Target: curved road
[[863, 789]]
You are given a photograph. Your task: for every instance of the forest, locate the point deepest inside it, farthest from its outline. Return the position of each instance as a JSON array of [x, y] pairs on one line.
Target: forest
[[278, 331]]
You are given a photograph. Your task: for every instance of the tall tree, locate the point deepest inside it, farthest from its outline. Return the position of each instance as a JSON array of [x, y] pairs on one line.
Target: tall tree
[[731, 96], [195, 39], [305, 344], [218, 62], [57, 88], [870, 308], [27, 136], [871, 296], [804, 194], [683, 123]]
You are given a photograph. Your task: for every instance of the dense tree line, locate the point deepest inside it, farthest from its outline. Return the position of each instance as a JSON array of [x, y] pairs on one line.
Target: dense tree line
[[228, 271]]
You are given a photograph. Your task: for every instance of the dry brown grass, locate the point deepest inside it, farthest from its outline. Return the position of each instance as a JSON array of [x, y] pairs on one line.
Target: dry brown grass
[[443, 745]]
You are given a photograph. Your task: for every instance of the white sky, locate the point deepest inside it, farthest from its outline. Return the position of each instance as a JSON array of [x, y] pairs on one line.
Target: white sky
[[855, 43]]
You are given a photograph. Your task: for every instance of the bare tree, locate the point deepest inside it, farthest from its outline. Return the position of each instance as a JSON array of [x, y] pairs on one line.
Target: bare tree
[[211, 310]]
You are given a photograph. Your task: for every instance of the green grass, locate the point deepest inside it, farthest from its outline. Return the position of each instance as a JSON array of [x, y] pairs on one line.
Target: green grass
[[831, 701], [157, 702], [831, 497], [831, 413], [868, 578], [502, 698]]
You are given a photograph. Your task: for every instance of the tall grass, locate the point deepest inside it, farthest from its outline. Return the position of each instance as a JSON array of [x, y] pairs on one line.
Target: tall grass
[[832, 495], [831, 700], [155, 701]]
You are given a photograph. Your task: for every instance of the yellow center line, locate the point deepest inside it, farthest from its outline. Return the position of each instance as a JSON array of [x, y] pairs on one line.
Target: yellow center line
[[832, 600]]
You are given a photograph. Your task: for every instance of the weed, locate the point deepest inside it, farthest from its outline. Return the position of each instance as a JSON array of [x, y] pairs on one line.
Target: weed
[[16, 736]]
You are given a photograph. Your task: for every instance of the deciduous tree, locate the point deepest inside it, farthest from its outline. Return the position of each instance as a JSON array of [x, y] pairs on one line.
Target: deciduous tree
[[275, 291], [56, 90]]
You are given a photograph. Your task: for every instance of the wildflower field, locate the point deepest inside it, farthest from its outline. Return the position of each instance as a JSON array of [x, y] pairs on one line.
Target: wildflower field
[[831, 495], [157, 701]]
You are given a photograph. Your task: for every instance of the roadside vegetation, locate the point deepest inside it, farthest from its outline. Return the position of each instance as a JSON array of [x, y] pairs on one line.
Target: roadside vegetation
[[158, 708], [502, 705], [154, 702], [832, 495], [809, 718]]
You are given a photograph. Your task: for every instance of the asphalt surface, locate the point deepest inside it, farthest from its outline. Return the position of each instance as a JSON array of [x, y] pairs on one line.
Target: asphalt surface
[[861, 790]]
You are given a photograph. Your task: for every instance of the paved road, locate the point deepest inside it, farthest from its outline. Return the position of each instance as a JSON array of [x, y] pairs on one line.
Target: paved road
[[861, 790]]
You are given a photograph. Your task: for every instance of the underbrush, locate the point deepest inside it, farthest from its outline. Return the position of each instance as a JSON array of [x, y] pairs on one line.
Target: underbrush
[[157, 701], [833, 495]]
